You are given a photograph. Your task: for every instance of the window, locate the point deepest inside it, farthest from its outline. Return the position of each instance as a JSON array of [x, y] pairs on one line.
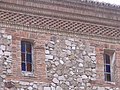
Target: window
[[26, 56], [107, 68], [108, 64]]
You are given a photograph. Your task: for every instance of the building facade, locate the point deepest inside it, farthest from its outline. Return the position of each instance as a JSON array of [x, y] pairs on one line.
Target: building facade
[[59, 45]]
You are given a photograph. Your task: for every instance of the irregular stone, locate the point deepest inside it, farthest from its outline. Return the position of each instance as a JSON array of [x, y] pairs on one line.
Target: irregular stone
[[79, 79], [84, 77], [56, 63], [30, 88], [68, 63], [67, 42], [67, 83], [49, 56], [9, 71], [80, 65], [47, 88], [52, 88], [61, 62], [101, 88], [61, 78], [58, 88], [2, 47], [71, 72], [9, 37], [47, 52], [55, 75], [52, 42], [3, 76], [55, 80], [73, 48], [24, 83], [34, 86]]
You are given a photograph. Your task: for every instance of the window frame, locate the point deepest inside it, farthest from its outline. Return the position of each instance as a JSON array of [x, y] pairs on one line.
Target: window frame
[[107, 72], [32, 62], [111, 54]]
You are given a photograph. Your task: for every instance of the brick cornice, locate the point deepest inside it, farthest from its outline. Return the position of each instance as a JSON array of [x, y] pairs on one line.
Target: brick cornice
[[81, 12], [14, 26], [56, 23]]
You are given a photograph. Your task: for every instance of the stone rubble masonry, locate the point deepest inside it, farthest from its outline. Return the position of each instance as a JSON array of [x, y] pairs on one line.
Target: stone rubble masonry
[[60, 62]]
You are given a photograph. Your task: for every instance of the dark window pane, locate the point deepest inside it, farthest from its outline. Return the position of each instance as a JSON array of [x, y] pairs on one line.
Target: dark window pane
[[22, 46], [107, 77], [29, 67], [107, 68], [28, 47], [26, 56], [107, 59], [23, 57], [23, 67], [29, 58]]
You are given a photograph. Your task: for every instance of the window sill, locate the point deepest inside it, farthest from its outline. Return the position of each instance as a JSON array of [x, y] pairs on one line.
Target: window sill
[[110, 82], [28, 74]]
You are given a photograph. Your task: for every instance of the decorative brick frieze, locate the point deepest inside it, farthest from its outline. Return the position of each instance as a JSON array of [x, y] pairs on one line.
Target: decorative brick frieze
[[59, 25]]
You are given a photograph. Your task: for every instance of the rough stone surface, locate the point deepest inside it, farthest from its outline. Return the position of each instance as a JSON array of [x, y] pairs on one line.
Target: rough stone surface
[[70, 65]]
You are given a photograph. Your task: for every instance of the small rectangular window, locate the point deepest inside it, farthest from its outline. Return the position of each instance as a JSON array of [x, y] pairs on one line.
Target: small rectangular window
[[107, 68], [108, 64], [26, 56]]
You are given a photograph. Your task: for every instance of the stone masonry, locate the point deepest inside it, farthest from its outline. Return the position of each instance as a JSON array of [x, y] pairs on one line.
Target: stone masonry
[[69, 40], [71, 64]]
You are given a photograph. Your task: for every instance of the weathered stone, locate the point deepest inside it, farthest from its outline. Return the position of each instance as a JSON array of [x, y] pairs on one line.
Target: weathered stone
[[52, 88], [61, 78], [30, 88], [49, 56], [58, 88], [101, 88], [34, 86], [47, 88], [47, 52], [84, 77], [9, 71], [2, 47], [56, 75], [24, 83], [67, 42], [80, 65], [73, 48], [9, 37], [61, 62], [56, 63], [55, 80], [79, 79], [3, 76]]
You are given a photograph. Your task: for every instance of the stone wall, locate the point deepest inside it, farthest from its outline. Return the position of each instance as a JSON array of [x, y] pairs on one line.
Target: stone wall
[[71, 63], [61, 62], [5, 57]]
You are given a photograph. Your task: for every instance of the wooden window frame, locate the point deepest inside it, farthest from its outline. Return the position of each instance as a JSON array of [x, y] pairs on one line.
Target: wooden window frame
[[111, 54], [31, 55]]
